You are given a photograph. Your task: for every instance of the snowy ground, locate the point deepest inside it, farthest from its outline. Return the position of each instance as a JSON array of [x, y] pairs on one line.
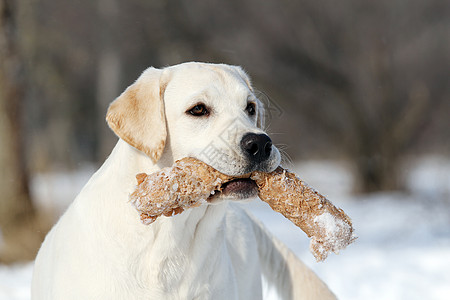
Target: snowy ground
[[403, 249]]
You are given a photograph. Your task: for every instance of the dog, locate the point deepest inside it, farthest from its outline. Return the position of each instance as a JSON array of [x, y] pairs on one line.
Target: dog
[[99, 249]]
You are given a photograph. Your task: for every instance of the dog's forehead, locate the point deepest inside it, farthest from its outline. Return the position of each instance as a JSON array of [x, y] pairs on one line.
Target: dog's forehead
[[196, 79]]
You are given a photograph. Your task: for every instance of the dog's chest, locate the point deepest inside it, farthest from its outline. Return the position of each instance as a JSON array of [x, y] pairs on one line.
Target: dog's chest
[[192, 261], [206, 275]]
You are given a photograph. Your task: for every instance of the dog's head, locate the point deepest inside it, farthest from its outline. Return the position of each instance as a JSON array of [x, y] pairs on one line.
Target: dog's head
[[206, 111]]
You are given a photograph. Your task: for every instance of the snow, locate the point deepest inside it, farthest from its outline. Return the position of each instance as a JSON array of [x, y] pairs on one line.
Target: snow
[[335, 231], [403, 245], [15, 281], [402, 250]]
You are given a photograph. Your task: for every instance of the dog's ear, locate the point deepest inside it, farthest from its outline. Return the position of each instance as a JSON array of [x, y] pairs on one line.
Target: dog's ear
[[137, 115]]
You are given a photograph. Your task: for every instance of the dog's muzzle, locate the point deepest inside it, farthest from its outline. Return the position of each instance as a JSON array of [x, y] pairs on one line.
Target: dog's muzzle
[[257, 149]]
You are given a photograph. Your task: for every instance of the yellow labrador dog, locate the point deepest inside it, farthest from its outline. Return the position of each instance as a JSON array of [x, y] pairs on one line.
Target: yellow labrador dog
[[99, 249]]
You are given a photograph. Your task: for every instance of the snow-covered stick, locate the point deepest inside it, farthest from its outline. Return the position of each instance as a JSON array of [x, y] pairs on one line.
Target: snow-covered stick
[[329, 228], [190, 182]]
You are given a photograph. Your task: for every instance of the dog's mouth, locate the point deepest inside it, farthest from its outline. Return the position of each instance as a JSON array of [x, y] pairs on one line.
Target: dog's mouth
[[238, 188]]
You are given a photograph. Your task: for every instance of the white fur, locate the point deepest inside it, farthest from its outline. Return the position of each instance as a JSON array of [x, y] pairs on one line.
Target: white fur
[[99, 249]]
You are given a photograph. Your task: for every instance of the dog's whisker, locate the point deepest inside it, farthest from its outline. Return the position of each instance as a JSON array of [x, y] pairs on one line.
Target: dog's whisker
[[286, 159]]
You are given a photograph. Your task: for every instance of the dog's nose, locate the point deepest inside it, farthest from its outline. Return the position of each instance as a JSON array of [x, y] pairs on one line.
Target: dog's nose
[[256, 146]]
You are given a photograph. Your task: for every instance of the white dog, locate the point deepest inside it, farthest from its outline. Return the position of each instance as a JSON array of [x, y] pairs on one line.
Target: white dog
[[99, 249]]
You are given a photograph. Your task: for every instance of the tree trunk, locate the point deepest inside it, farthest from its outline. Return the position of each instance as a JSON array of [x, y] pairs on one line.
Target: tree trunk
[[17, 214], [108, 73], [377, 172]]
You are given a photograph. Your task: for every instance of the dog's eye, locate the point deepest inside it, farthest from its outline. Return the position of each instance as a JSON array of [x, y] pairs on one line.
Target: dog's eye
[[199, 110], [251, 109]]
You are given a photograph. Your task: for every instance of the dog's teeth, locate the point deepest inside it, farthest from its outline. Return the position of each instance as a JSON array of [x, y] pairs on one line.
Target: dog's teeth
[[213, 192]]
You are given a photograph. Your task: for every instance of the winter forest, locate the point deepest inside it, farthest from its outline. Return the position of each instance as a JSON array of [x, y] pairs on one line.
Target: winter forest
[[357, 96]]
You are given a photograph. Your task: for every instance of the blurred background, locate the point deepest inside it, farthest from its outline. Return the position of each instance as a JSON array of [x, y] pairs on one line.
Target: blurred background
[[358, 83]]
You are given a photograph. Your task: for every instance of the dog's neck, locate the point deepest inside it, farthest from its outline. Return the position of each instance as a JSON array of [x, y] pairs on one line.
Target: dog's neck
[[126, 162]]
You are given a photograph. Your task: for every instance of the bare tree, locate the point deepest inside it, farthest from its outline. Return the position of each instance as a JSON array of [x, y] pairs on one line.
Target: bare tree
[[356, 71], [17, 214], [361, 78], [108, 70]]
